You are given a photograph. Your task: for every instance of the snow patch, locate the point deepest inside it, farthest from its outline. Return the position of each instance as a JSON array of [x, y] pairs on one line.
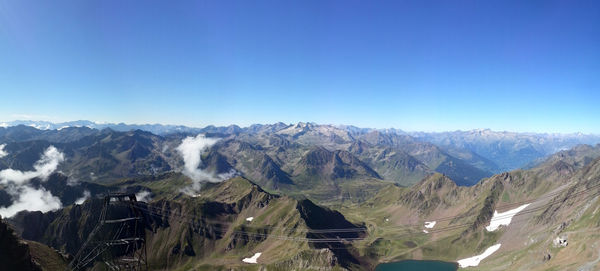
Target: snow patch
[[252, 259], [425, 231], [474, 261], [249, 219], [430, 225], [503, 219]]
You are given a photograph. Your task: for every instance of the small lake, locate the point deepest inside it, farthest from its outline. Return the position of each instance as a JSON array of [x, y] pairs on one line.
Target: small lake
[[416, 265]]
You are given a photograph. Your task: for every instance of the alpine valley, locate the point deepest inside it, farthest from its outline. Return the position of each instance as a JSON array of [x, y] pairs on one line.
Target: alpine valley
[[302, 196]]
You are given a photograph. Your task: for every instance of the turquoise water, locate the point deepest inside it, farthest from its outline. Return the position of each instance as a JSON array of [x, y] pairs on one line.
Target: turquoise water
[[415, 265]]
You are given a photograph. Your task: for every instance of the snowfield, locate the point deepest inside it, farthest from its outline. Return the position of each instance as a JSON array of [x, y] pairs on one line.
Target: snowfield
[[503, 219], [252, 259], [474, 261], [249, 219], [430, 225]]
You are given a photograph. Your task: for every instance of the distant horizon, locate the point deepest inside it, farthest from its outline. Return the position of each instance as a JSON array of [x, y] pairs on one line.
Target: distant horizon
[[3, 122]]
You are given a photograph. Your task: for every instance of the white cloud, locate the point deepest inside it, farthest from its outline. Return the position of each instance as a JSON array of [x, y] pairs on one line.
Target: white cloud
[[228, 175], [31, 199], [143, 196], [42, 168], [191, 149], [26, 197], [72, 181], [2, 151], [86, 195]]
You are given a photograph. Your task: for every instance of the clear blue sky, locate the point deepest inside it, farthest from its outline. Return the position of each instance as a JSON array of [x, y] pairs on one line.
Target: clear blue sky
[[413, 65]]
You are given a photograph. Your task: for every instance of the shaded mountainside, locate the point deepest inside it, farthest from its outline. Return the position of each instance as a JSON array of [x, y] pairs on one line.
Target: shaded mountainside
[[15, 253], [576, 157], [102, 156], [20, 255], [487, 150], [211, 231], [268, 154], [322, 164], [251, 160], [23, 133], [435, 158], [508, 150], [392, 164], [316, 172]]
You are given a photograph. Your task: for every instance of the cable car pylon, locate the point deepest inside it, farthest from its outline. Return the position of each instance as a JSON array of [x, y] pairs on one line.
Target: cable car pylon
[[119, 239]]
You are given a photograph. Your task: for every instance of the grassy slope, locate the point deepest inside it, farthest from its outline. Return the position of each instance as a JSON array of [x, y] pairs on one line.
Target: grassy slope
[[395, 216], [48, 258]]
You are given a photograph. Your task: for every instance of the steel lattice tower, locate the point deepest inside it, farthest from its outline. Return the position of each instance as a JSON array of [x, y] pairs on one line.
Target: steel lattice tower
[[119, 240]]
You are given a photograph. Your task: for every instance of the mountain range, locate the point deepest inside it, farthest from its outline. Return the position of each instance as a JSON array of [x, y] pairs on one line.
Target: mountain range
[[210, 200]]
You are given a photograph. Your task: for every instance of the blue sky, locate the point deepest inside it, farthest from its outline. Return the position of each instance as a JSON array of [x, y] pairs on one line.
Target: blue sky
[[414, 65]]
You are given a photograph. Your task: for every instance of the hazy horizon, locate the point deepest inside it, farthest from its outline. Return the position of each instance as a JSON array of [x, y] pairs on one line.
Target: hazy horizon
[[3, 122]]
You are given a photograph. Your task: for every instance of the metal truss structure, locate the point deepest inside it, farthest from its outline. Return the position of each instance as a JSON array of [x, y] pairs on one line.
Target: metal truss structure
[[119, 240]]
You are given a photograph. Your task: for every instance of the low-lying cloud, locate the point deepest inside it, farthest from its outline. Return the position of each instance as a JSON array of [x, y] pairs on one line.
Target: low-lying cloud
[[144, 196], [42, 168], [191, 150], [2, 151], [86, 195], [31, 199], [26, 197]]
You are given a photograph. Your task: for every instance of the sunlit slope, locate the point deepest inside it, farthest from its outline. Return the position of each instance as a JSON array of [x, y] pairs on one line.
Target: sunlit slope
[[396, 218]]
